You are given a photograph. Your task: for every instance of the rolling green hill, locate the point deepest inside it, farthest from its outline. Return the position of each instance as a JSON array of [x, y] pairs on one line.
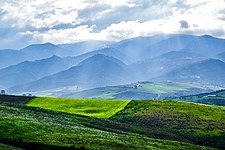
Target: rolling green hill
[[201, 124], [88, 107], [108, 124], [144, 91], [32, 128]]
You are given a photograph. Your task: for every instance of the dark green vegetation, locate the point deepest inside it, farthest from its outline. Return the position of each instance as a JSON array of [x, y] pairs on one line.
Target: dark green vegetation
[[155, 124], [144, 90], [15, 99], [213, 98], [87, 107], [200, 124], [7, 147], [31, 128]]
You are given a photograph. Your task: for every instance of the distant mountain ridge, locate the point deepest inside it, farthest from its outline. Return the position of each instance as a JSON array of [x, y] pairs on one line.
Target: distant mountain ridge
[[89, 64], [98, 70], [29, 71], [221, 56], [210, 71], [10, 57], [164, 63]]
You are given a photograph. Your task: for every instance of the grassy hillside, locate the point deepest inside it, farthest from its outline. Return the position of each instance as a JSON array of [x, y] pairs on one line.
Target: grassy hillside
[[213, 98], [88, 107], [15, 99], [33, 128], [201, 124], [124, 122], [7, 147]]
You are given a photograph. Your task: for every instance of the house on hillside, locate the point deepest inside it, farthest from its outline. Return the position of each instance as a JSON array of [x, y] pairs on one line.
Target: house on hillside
[[136, 85], [2, 92]]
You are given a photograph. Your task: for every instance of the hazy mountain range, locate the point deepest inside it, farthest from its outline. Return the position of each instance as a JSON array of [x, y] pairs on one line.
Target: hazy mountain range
[[91, 64]]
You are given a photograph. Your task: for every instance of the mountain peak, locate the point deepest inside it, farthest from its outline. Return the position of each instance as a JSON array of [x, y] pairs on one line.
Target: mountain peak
[[55, 57], [101, 59], [48, 43], [216, 62], [207, 36], [40, 46]]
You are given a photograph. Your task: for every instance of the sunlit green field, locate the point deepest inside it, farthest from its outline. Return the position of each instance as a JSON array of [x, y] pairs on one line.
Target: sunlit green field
[[88, 107], [32, 128], [109, 124]]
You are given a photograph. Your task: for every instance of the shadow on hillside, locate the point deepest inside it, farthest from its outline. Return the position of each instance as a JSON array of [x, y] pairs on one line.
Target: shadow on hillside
[[37, 146]]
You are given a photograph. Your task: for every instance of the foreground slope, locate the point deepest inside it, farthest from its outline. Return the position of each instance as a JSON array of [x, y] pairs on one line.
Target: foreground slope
[[171, 120], [30, 128], [7, 147], [200, 124], [168, 120]]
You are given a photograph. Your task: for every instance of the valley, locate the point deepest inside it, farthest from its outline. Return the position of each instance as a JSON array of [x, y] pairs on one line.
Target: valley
[[145, 91]]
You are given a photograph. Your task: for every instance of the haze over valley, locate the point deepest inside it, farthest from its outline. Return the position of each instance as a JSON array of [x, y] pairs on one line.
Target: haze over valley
[[160, 59]]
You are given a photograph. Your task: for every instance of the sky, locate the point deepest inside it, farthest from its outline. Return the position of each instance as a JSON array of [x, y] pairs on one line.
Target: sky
[[23, 22]]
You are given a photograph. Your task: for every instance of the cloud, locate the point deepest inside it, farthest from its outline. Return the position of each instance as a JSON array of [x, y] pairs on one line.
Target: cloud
[[70, 21], [67, 35], [221, 14], [117, 31], [184, 24]]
